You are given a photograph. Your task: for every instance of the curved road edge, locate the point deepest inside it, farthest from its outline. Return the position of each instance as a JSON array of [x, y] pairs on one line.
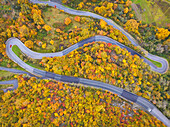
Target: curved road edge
[[14, 82]]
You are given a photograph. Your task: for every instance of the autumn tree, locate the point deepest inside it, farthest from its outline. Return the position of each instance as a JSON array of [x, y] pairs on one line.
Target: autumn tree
[[162, 33], [29, 44], [80, 5], [44, 45], [24, 31], [36, 15], [67, 21], [115, 6], [103, 23], [128, 3], [106, 10], [8, 33], [47, 27], [132, 25], [22, 1], [77, 18], [51, 42], [126, 10]]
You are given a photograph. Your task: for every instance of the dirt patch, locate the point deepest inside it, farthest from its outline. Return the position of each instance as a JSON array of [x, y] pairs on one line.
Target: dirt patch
[[135, 8], [59, 25], [139, 7]]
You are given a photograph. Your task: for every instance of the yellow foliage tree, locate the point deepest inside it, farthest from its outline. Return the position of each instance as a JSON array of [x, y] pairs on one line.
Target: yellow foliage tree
[[58, 30], [128, 2], [80, 5], [162, 33], [103, 23], [115, 6], [122, 2], [105, 11], [131, 15], [109, 5], [29, 44], [126, 10], [47, 27], [22, 1], [44, 46], [64, 1], [8, 33], [67, 21], [24, 31], [52, 42], [32, 33], [36, 15], [132, 25], [101, 10]]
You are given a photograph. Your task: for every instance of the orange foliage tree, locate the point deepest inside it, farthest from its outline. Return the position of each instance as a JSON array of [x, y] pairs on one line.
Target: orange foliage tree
[[77, 18], [67, 21]]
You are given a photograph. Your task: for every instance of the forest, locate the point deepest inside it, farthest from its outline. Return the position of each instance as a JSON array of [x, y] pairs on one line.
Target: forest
[[46, 29]]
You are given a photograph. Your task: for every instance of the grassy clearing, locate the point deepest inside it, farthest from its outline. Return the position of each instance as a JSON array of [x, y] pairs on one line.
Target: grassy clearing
[[4, 64], [154, 12], [53, 15], [146, 16], [35, 65], [5, 74], [54, 18], [155, 62], [16, 50], [4, 7]]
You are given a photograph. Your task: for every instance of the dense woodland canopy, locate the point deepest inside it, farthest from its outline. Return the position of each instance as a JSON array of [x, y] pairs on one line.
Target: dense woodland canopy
[[51, 103]]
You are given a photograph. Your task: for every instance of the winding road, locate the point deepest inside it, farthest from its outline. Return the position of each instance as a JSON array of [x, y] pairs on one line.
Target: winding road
[[164, 62], [144, 103]]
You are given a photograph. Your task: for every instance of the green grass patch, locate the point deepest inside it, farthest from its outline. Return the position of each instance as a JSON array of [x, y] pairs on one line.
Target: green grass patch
[[16, 50], [68, 27], [155, 62], [4, 64], [146, 16], [4, 7], [35, 65]]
